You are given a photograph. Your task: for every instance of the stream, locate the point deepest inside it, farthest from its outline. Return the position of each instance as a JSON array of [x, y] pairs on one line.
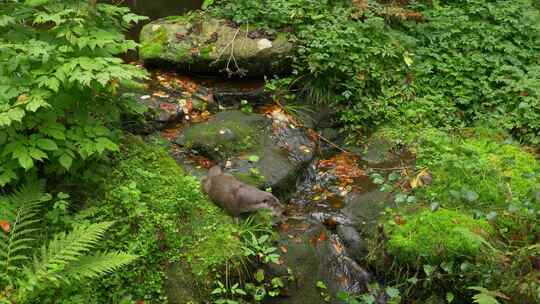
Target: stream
[[331, 203]]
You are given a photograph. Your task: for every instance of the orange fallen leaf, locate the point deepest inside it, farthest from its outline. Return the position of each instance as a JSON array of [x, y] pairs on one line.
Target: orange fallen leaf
[[399, 220], [22, 98], [5, 226]]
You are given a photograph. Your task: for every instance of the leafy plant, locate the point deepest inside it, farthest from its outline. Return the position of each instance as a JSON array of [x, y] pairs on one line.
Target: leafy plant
[[61, 261], [485, 296], [58, 75]]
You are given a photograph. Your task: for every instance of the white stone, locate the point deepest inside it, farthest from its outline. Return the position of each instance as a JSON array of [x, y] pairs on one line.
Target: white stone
[[264, 44]]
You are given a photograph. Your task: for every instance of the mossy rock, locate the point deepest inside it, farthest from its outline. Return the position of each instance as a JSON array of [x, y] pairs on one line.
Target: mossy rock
[[201, 43], [257, 155], [435, 237], [225, 134]]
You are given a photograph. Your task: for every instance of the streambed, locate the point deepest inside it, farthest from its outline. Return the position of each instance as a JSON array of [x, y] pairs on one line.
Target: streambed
[[331, 203]]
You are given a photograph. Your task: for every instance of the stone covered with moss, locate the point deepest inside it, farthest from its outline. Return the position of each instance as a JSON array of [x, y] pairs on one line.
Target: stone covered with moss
[[201, 43], [434, 237], [248, 142]]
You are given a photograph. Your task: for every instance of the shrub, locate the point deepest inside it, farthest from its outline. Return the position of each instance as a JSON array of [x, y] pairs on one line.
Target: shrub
[[435, 237], [478, 60], [58, 73]]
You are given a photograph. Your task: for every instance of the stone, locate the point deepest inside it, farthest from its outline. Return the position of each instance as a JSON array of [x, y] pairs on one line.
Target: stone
[[314, 254], [200, 43], [255, 150]]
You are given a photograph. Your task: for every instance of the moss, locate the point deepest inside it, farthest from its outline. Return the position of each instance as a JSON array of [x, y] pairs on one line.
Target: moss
[[233, 133], [253, 178], [476, 169], [181, 54], [163, 217], [434, 237], [206, 51], [153, 41], [150, 50]]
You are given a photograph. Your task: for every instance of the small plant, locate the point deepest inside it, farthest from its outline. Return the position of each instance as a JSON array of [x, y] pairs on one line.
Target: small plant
[[246, 107], [375, 291], [323, 291], [260, 248]]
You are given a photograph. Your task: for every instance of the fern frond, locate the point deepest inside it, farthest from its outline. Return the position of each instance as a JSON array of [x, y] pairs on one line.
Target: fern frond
[[97, 265], [65, 249], [20, 208]]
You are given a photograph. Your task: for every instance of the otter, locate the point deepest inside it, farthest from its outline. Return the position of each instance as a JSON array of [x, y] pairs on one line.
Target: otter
[[236, 197]]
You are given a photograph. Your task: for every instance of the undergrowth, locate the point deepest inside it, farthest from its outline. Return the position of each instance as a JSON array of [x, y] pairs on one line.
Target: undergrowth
[[163, 217]]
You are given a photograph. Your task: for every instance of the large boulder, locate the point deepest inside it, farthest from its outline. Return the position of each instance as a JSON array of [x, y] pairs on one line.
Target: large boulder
[[256, 149], [201, 43]]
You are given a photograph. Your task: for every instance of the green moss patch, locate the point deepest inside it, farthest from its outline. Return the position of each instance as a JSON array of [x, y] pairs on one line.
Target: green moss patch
[[476, 169], [435, 237], [226, 134], [162, 216]]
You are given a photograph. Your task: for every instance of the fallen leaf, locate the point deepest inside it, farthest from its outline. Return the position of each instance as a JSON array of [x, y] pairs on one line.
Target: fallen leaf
[[400, 220], [22, 98], [161, 94], [5, 226]]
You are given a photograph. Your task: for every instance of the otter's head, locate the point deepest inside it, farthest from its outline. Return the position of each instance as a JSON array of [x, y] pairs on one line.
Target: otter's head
[[273, 204], [206, 182], [215, 170]]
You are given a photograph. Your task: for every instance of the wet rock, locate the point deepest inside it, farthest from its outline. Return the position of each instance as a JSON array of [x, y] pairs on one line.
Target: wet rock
[[379, 151], [365, 208], [252, 147], [200, 43], [314, 254], [151, 114], [352, 240], [225, 134], [162, 113], [180, 285], [233, 93]]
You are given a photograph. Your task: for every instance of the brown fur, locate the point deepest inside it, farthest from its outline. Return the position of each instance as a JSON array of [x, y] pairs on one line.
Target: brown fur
[[236, 197]]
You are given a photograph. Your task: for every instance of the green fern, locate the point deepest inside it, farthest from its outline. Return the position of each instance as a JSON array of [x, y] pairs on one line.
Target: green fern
[[485, 296], [62, 260], [21, 209], [101, 263]]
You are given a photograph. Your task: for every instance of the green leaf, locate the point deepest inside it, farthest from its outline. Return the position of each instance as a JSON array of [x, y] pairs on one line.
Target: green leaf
[[485, 296], [207, 3], [65, 161], [428, 269], [449, 297], [321, 285], [35, 2], [253, 158], [37, 154], [25, 160], [6, 177], [46, 144], [392, 292], [103, 143], [259, 275]]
